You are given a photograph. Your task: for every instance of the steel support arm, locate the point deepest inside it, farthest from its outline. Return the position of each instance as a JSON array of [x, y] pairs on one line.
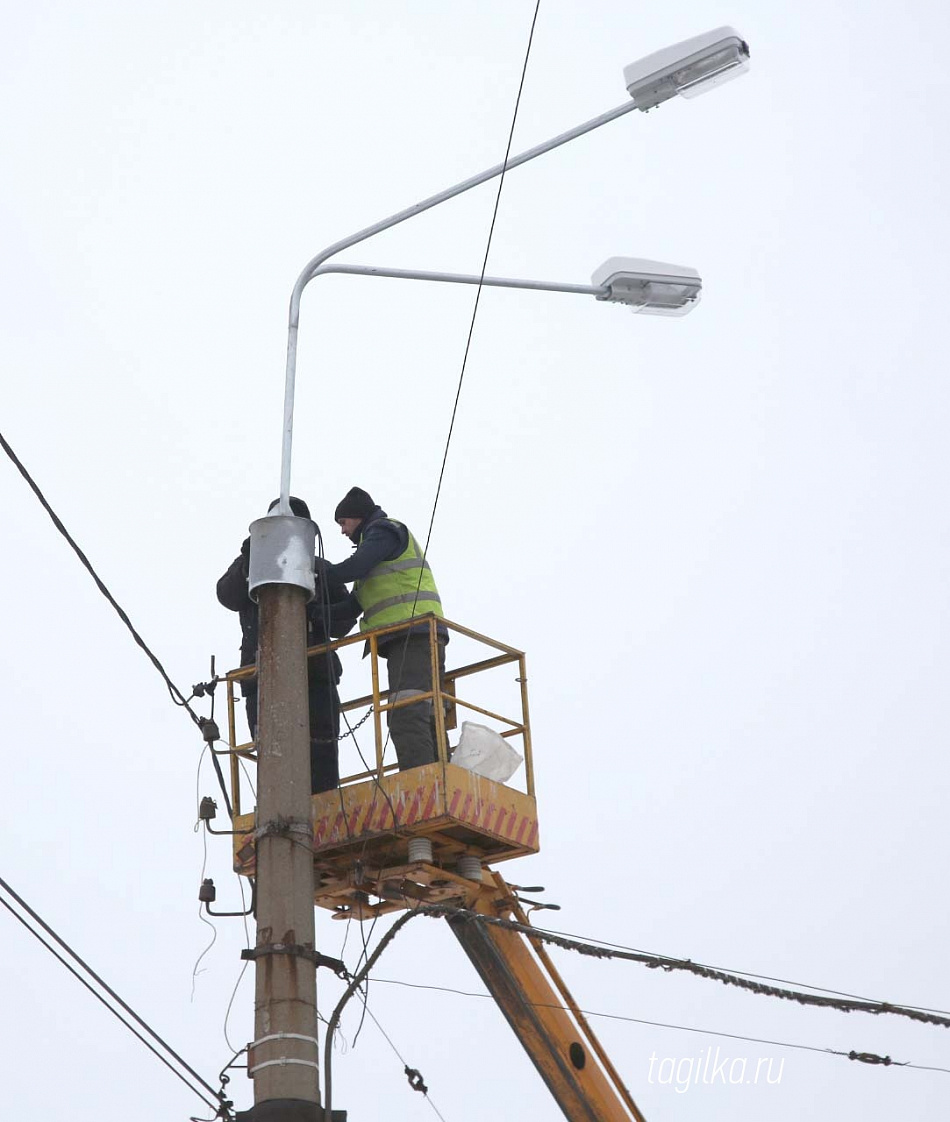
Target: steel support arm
[[463, 278]]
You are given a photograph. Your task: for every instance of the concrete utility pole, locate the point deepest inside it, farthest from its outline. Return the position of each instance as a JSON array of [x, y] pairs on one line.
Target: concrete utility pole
[[283, 1058]]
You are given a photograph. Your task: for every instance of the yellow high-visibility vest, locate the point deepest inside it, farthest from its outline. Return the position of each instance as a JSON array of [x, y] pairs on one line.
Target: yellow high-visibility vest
[[397, 590]]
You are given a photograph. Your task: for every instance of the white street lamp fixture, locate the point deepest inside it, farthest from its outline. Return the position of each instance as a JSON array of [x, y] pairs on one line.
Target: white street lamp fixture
[[688, 68], [652, 287]]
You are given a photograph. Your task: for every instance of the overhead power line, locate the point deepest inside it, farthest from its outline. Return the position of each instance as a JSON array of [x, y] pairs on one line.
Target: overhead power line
[[668, 964], [660, 962], [444, 910], [176, 695], [183, 1071], [355, 983], [209, 729], [744, 973], [394, 688], [412, 1074], [481, 278], [471, 329], [861, 1056]]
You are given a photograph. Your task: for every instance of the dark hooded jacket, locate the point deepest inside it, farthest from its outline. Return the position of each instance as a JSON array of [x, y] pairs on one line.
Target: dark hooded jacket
[[330, 615]]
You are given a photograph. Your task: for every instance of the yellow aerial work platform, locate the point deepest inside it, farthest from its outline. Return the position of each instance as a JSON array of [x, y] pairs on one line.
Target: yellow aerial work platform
[[367, 855]]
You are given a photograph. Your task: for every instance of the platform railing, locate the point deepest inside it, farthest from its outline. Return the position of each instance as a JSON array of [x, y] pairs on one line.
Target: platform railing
[[444, 697]]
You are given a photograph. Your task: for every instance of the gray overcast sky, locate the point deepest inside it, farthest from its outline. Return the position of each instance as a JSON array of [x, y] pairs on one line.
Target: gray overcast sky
[[722, 540]]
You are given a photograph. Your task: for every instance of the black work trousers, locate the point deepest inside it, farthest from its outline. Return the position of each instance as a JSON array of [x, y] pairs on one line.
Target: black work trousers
[[412, 727], [324, 703]]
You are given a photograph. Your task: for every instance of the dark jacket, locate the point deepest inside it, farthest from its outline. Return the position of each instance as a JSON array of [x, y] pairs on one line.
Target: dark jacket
[[330, 615], [377, 540]]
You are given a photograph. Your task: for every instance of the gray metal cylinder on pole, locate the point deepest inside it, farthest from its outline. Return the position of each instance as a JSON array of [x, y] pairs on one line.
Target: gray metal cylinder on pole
[[283, 1059]]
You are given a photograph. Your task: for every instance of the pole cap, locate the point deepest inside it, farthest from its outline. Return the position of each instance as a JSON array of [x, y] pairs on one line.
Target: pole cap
[[282, 552]]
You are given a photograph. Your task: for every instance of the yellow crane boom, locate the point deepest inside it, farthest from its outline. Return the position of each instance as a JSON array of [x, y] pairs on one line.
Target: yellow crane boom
[[521, 978]]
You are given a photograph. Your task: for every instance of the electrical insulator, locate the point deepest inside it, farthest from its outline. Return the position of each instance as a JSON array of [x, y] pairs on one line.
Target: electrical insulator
[[206, 893], [208, 809], [209, 730]]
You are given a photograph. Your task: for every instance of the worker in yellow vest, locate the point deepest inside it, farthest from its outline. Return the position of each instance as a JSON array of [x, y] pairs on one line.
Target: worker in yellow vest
[[392, 582]]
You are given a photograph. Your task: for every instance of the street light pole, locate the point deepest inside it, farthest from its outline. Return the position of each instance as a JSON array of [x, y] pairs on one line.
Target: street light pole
[[283, 1057]]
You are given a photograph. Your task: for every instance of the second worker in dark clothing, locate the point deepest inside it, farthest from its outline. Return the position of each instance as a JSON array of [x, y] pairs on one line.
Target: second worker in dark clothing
[[330, 616], [392, 583]]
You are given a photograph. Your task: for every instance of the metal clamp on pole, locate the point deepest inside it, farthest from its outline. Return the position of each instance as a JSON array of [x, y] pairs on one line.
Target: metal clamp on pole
[[283, 1061], [285, 828], [284, 1036], [251, 954], [252, 1066]]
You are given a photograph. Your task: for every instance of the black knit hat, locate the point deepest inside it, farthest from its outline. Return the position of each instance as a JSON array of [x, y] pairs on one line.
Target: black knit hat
[[298, 506], [356, 503]]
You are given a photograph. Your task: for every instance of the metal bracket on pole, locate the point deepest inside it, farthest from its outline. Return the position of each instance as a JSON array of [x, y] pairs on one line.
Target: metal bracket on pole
[[253, 953], [207, 894], [284, 828]]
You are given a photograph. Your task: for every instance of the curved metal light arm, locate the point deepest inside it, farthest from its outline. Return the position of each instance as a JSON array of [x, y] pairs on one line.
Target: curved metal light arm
[[462, 278], [312, 266]]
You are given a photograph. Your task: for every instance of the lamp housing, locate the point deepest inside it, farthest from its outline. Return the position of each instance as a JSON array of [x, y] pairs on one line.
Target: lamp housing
[[688, 68], [652, 287]]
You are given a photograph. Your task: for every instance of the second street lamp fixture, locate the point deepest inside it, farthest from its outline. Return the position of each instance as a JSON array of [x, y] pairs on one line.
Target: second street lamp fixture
[[652, 287]]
